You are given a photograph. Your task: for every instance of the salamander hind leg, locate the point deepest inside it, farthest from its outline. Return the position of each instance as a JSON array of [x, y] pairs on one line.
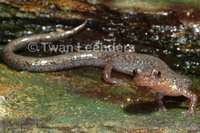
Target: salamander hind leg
[[107, 75]]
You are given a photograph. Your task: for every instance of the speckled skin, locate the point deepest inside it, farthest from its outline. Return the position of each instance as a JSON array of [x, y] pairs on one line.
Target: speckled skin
[[168, 83]]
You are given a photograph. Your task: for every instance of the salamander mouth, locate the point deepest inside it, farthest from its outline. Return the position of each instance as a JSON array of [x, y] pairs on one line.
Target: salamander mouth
[[141, 84]]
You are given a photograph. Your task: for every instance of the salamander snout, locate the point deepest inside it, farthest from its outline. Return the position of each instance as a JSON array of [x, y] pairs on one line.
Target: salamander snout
[[147, 77]]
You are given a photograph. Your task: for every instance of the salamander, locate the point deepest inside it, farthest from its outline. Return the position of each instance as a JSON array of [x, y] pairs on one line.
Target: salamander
[[147, 70]]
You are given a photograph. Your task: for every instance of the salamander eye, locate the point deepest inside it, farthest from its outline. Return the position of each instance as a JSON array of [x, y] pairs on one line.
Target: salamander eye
[[135, 72], [157, 73]]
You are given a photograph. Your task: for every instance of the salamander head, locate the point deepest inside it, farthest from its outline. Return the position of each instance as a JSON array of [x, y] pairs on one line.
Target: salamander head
[[163, 81]]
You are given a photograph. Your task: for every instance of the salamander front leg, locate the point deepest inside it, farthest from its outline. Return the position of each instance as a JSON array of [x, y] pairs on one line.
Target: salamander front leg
[[160, 104], [107, 75], [193, 101]]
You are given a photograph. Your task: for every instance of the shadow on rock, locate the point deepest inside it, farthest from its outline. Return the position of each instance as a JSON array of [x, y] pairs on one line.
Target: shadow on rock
[[149, 107]]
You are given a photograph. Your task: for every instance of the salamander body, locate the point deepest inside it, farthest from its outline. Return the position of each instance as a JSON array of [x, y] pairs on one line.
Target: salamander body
[[147, 70]]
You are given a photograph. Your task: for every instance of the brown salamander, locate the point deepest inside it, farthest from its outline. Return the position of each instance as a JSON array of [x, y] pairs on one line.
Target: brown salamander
[[147, 70]]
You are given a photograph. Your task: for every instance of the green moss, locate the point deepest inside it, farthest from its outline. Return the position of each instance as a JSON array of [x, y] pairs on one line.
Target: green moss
[[54, 101], [152, 5], [9, 12]]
